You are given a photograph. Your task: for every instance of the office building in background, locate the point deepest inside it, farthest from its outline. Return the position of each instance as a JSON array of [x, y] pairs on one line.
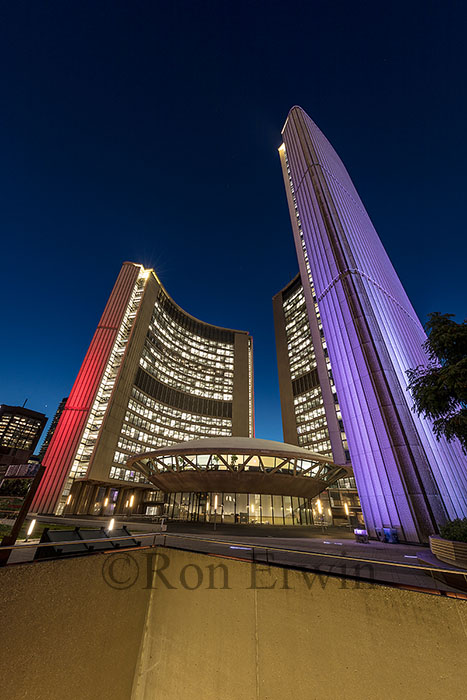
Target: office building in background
[[20, 431], [51, 430], [406, 479], [153, 376]]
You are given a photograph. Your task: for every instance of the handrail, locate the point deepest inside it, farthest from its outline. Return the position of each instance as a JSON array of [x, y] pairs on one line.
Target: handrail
[[251, 545], [65, 543], [315, 554]]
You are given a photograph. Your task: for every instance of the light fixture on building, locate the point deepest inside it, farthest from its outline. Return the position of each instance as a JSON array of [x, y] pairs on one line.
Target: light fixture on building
[[111, 524], [106, 502], [68, 500], [346, 508], [320, 506]]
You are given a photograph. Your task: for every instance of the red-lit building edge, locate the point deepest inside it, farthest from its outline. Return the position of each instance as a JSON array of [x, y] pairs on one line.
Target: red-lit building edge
[[59, 457]]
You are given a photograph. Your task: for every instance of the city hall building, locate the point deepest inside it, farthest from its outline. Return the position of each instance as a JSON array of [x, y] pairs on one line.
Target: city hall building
[[153, 376]]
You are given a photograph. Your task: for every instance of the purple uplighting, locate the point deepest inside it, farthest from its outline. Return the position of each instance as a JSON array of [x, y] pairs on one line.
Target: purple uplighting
[[406, 479]]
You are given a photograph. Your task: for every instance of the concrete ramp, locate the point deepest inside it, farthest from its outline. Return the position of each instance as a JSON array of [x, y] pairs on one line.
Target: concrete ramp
[[160, 624]]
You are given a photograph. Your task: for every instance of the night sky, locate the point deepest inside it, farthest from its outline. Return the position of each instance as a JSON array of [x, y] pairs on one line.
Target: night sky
[[148, 131]]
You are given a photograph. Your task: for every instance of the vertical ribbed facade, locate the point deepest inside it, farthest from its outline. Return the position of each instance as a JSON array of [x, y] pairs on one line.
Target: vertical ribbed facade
[[67, 438], [153, 376], [405, 477]]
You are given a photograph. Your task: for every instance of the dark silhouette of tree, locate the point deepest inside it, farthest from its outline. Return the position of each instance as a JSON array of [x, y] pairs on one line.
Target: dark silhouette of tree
[[440, 389]]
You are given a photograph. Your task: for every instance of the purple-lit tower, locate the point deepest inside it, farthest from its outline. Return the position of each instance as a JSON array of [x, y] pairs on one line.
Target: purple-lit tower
[[406, 479]]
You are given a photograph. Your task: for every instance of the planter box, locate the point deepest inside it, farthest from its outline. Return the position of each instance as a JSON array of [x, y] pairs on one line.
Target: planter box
[[449, 551]]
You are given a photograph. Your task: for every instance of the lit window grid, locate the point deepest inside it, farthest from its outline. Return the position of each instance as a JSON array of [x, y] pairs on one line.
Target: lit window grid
[[220, 361], [187, 364], [99, 407], [170, 372], [149, 424], [267, 464], [311, 421], [18, 432], [181, 336], [182, 359], [156, 411], [299, 342]]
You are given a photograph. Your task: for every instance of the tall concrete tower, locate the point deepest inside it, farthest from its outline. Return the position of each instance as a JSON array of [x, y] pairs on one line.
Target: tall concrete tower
[[153, 376], [406, 479]]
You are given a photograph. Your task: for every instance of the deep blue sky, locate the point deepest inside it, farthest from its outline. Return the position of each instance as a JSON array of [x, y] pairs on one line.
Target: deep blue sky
[[148, 131]]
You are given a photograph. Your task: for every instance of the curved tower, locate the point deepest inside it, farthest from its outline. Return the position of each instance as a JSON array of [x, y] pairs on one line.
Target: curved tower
[[153, 376], [406, 479]]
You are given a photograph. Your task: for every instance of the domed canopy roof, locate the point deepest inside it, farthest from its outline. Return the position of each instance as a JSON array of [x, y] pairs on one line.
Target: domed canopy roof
[[239, 465], [234, 445]]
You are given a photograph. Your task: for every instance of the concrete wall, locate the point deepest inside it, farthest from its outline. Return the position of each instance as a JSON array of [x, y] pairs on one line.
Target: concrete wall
[[271, 634], [293, 640], [65, 633]]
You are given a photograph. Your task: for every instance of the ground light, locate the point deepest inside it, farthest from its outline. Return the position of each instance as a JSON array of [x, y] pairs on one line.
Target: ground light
[[31, 527]]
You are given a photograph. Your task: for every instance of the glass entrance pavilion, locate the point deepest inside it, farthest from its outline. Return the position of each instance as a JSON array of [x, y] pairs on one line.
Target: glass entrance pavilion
[[237, 480]]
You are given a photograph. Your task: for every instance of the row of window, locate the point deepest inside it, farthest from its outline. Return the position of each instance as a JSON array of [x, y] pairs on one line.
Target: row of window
[[19, 432], [164, 370], [149, 424], [300, 347], [186, 365], [162, 414], [97, 412], [222, 462], [239, 508]]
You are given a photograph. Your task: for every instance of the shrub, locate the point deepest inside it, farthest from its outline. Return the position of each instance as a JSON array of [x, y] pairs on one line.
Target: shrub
[[455, 530]]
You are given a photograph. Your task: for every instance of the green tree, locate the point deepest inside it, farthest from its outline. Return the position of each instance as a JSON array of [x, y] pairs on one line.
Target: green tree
[[440, 388]]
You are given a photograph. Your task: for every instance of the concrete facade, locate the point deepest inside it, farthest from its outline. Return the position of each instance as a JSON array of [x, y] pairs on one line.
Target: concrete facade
[[153, 375], [406, 478]]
